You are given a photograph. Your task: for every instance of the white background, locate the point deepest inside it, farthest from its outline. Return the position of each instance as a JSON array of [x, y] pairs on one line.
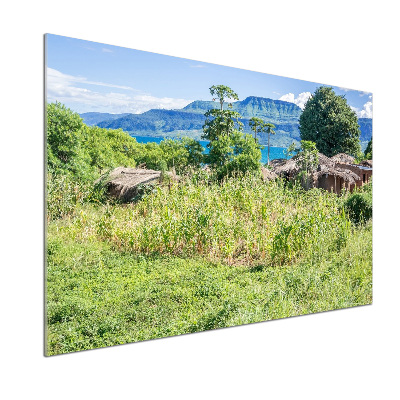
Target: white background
[[348, 354]]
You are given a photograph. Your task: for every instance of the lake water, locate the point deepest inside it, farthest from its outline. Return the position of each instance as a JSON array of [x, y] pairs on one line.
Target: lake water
[[274, 152]]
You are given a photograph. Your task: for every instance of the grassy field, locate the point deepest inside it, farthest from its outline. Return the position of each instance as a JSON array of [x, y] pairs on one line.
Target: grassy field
[[199, 256]]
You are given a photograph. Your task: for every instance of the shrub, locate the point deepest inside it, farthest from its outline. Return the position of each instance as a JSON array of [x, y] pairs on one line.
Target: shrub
[[359, 206]]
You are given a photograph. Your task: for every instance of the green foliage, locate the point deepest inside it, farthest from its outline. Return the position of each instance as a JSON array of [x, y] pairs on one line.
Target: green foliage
[[201, 256], [257, 125], [307, 159], [291, 150], [359, 204], [328, 121], [108, 148], [270, 130], [220, 123], [183, 155], [260, 126], [234, 153], [368, 151], [66, 194], [78, 154], [223, 92], [73, 147], [64, 147], [231, 151], [143, 190], [88, 151]]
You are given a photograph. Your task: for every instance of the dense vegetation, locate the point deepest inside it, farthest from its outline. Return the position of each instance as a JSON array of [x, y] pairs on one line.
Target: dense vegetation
[[86, 151], [220, 248], [201, 257]]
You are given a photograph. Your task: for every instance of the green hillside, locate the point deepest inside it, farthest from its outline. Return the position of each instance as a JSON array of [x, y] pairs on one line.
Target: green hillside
[[189, 120]]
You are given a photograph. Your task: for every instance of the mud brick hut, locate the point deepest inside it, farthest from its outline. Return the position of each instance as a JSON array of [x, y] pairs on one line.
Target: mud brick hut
[[333, 174]]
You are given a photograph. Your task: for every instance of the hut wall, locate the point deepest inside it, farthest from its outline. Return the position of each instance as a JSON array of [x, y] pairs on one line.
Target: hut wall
[[364, 174], [333, 184], [327, 182]]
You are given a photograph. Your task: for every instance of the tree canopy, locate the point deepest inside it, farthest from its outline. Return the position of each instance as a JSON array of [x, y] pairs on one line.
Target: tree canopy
[[329, 121], [257, 125], [222, 93]]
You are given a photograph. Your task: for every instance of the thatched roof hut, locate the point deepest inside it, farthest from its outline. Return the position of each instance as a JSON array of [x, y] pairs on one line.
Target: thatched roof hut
[[267, 174], [122, 183], [332, 173], [345, 174], [323, 160], [343, 158], [366, 163], [288, 168]]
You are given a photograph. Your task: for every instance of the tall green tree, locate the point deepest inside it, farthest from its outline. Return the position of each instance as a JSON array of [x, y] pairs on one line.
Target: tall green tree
[[270, 130], [219, 123], [222, 93], [257, 125], [329, 122], [230, 151]]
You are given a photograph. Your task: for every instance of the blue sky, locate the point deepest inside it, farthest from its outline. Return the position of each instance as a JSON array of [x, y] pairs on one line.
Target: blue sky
[[88, 76]]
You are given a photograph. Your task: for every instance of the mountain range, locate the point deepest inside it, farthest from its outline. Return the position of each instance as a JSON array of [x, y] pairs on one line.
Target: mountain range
[[189, 120]]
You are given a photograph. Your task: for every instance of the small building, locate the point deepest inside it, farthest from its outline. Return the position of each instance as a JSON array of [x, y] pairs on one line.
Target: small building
[[332, 173], [335, 179]]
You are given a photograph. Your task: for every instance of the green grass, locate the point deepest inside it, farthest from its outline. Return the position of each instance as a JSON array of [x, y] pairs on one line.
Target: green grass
[[100, 293]]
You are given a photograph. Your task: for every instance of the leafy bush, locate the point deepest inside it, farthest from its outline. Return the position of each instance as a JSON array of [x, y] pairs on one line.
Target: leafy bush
[[87, 151], [359, 206], [182, 154]]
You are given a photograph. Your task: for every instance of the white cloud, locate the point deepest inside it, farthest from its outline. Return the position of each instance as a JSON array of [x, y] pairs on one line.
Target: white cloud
[[366, 112], [300, 100], [287, 97], [106, 50], [68, 89], [57, 78]]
